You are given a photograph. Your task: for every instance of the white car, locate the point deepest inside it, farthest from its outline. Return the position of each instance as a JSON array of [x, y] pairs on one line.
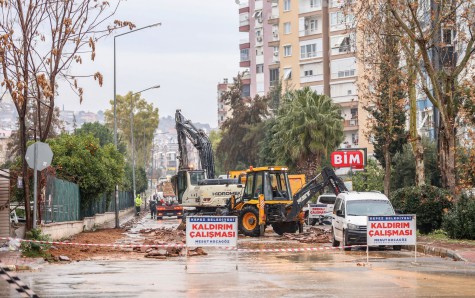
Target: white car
[[349, 218]]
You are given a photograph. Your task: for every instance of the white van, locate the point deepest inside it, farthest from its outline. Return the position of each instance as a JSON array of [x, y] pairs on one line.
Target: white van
[[350, 213]]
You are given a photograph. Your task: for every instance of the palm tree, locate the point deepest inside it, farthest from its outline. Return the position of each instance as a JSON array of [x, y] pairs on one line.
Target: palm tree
[[309, 126]]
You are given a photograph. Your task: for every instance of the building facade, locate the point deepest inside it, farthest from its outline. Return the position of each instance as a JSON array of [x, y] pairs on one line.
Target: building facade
[[305, 43]]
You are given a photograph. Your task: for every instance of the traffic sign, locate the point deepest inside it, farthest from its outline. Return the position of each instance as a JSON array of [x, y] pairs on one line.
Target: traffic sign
[[44, 156], [343, 159]]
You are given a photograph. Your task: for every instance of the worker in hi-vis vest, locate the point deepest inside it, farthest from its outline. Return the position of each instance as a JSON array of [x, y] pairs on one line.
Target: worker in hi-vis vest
[[138, 202]]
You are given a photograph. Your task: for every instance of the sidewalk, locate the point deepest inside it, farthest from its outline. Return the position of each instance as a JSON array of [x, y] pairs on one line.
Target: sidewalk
[[463, 250], [15, 262]]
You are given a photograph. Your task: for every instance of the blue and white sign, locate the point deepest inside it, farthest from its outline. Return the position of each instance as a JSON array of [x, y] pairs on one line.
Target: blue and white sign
[[391, 230], [211, 231]]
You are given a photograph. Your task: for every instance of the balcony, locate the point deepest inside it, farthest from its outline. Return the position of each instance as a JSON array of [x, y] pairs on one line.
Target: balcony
[[244, 43], [351, 124], [313, 78], [273, 19], [344, 74], [308, 55], [245, 63], [244, 22], [310, 6], [308, 32]]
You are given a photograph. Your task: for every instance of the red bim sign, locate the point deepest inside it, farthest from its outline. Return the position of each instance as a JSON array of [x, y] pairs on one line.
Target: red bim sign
[[391, 230], [344, 159], [211, 230]]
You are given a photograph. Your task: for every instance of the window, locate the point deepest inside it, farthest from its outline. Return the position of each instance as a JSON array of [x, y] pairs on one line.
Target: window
[[315, 3], [248, 189], [274, 75], [258, 185], [286, 5], [447, 36], [354, 113], [313, 25], [246, 90], [287, 51], [308, 51], [308, 73], [344, 45], [245, 55], [259, 68], [346, 73], [287, 73], [339, 18], [287, 28]]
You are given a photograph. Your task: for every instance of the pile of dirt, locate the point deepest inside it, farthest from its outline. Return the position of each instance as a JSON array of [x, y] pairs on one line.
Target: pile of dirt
[[160, 236], [313, 235]]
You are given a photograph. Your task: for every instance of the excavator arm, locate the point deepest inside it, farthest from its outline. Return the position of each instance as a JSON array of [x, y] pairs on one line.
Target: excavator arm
[[186, 130], [326, 178]]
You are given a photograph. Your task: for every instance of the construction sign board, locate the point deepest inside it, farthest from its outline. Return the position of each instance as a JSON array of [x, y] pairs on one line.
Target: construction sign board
[[391, 230], [211, 231], [317, 210]]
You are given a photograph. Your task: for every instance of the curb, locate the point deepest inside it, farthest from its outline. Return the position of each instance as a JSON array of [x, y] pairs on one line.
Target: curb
[[436, 251]]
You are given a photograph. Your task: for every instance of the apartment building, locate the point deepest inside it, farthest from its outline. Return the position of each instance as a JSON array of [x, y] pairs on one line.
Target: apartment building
[[305, 43], [224, 110]]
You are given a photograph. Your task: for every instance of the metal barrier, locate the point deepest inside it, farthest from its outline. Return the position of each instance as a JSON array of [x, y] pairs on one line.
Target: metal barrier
[[64, 202]]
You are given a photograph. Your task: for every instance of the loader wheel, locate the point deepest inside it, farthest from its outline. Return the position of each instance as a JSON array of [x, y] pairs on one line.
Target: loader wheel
[[285, 227], [249, 221]]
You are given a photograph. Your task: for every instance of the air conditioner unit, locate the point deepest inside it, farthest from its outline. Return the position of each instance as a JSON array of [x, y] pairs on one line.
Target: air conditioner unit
[[276, 54], [275, 34], [259, 39]]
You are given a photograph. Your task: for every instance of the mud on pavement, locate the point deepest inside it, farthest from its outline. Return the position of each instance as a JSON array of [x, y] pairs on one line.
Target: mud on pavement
[[130, 234]]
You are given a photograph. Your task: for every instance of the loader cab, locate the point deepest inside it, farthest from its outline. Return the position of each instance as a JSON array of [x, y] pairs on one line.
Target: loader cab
[[185, 179], [273, 182]]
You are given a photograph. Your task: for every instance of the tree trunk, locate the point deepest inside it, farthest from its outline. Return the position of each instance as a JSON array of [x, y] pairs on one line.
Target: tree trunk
[[447, 155], [24, 167], [414, 138], [387, 170]]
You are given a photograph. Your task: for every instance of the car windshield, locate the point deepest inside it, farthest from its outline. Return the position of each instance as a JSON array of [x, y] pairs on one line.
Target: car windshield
[[368, 208]]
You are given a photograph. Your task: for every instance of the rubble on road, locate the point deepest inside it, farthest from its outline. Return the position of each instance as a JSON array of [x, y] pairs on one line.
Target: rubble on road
[[197, 252], [312, 235]]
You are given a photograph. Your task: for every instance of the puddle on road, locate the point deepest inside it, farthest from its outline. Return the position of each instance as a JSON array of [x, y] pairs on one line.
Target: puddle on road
[[323, 257]]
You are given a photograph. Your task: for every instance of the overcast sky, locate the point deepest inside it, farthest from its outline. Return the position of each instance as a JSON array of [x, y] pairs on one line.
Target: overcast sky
[[194, 49]]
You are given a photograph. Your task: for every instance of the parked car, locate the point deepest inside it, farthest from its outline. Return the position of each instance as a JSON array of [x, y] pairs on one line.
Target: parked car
[[349, 218]]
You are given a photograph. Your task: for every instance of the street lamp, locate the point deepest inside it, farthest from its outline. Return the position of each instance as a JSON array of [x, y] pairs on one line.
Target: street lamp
[[116, 201], [132, 132]]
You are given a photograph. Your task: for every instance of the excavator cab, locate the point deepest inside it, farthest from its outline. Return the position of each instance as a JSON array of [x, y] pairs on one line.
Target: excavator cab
[[264, 201], [184, 179]]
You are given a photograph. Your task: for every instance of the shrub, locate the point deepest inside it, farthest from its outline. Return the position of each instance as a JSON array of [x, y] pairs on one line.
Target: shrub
[[33, 249], [459, 223], [429, 203]]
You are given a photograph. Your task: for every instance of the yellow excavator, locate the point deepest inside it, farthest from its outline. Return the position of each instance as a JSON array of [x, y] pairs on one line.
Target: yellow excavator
[[267, 200]]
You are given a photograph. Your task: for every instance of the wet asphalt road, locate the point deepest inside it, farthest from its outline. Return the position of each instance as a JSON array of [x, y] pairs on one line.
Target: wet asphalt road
[[300, 274]]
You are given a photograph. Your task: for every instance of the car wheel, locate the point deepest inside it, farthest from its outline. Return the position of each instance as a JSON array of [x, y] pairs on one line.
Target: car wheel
[[335, 243], [345, 244], [397, 247]]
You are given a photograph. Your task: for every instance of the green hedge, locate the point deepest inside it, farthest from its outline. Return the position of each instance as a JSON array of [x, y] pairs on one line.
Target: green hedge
[[429, 203], [459, 223]]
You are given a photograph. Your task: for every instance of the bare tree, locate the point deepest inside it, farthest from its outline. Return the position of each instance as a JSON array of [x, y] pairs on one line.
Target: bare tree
[[442, 32], [39, 42]]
